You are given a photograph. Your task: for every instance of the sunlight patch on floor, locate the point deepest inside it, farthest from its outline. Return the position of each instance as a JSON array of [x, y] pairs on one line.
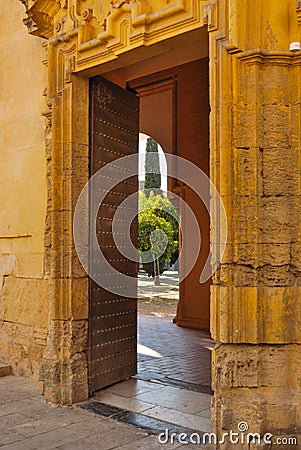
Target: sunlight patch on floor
[[148, 351]]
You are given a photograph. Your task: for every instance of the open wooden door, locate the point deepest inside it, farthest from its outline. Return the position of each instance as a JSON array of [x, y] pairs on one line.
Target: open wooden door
[[114, 130]]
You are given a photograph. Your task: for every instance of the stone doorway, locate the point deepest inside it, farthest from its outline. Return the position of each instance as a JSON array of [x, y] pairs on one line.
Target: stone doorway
[[174, 109], [253, 129]]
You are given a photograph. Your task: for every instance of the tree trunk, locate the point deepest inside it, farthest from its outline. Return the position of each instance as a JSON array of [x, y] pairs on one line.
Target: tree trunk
[[157, 272]]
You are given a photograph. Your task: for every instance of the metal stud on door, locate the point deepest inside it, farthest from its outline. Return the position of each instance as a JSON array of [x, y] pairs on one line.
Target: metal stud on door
[[114, 129]]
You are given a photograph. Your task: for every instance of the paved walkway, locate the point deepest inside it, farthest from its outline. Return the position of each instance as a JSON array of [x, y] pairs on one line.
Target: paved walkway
[[177, 353], [27, 424], [174, 363]]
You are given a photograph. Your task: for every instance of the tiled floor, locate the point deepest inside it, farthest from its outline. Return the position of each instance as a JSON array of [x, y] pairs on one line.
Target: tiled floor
[[167, 353], [185, 408], [174, 352]]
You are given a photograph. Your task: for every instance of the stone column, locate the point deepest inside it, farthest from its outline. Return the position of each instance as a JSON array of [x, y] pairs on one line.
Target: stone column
[[255, 164], [63, 373]]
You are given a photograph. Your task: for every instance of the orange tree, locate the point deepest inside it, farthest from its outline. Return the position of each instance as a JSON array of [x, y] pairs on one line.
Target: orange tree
[[157, 232]]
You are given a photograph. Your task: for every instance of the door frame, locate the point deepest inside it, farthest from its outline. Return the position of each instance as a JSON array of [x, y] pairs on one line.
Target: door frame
[[64, 366]]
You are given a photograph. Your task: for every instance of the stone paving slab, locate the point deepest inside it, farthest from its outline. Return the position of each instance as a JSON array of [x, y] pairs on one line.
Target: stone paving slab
[[28, 424]]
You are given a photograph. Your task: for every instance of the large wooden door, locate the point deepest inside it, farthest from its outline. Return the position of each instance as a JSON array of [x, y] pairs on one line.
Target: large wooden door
[[114, 130]]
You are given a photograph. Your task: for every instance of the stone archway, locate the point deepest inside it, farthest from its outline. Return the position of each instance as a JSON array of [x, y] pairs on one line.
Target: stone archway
[[252, 298]]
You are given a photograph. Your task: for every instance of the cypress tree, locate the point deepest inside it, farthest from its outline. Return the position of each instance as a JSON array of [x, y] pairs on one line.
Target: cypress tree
[[152, 168]]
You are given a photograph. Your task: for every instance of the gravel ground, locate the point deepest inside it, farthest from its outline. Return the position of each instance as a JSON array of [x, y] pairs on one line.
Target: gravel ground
[[157, 306], [160, 301]]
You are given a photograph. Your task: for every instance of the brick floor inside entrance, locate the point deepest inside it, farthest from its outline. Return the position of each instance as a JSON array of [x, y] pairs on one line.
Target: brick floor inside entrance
[[173, 352], [173, 380]]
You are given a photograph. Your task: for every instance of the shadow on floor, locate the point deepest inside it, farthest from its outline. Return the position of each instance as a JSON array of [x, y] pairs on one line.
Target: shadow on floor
[[173, 381]]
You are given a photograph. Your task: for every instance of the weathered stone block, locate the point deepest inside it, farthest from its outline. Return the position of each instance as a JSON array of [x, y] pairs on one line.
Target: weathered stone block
[[20, 350], [255, 273], [80, 298], [244, 135], [274, 131], [280, 172], [274, 254], [258, 255], [296, 256], [247, 166], [262, 410], [244, 219], [253, 385], [278, 219], [256, 315], [63, 372], [70, 298], [5, 370], [249, 366], [273, 82], [270, 275], [25, 301], [30, 265], [237, 275]]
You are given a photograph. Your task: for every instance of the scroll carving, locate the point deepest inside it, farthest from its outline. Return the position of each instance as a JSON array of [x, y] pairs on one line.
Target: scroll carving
[[40, 16], [298, 10], [103, 95], [104, 29]]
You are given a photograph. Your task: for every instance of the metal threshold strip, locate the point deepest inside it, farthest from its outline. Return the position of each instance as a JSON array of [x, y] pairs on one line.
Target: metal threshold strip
[[149, 424]]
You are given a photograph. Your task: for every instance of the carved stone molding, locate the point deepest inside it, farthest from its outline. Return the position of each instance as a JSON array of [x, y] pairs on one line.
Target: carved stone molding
[[298, 11], [112, 27], [279, 58], [40, 16], [210, 15]]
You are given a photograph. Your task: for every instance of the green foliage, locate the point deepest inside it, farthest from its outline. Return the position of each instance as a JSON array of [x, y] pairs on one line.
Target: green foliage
[[157, 213], [152, 167], [162, 207]]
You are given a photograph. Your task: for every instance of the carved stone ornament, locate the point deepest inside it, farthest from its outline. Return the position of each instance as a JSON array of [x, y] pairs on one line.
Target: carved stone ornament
[[40, 15], [298, 10], [102, 23], [103, 95]]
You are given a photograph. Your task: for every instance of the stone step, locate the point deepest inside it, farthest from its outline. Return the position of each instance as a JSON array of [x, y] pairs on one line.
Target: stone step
[[5, 370]]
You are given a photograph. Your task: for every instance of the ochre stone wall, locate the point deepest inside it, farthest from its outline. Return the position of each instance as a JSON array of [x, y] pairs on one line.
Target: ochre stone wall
[[23, 193], [255, 164]]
